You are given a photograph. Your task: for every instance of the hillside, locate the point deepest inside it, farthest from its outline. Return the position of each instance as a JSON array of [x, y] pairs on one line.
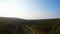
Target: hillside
[[22, 26]]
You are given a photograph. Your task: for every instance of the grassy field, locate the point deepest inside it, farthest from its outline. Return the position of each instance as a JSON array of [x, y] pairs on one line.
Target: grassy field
[[21, 26]]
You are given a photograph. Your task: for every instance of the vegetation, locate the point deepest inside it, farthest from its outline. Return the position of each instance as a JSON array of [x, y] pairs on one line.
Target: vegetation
[[20, 26]]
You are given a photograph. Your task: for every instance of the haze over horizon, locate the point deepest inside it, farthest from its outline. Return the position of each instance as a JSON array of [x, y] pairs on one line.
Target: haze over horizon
[[30, 9]]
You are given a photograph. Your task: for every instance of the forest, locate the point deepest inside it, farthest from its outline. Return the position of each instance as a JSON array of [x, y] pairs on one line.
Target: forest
[[22, 26]]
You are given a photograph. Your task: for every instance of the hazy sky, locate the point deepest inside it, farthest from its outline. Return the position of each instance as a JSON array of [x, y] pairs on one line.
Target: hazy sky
[[30, 9]]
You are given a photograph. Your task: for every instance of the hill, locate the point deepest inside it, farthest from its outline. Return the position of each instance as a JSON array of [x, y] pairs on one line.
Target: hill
[[22, 26]]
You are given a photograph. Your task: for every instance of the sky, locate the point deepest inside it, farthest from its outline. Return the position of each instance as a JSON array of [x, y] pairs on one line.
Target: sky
[[30, 9]]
